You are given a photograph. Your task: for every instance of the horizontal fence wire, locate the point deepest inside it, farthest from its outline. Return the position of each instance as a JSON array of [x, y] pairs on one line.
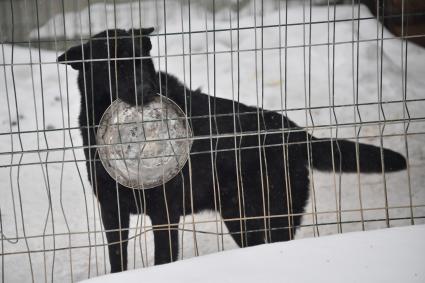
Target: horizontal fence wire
[[58, 39], [179, 55]]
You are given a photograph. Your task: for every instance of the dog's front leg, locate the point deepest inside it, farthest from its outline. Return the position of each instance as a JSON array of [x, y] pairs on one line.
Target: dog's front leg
[[116, 229], [165, 238]]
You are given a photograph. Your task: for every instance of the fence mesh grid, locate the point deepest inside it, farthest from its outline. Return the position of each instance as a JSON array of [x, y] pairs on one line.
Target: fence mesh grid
[[347, 71]]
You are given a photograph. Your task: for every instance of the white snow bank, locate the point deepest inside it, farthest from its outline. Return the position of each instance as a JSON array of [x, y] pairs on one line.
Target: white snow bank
[[389, 255]]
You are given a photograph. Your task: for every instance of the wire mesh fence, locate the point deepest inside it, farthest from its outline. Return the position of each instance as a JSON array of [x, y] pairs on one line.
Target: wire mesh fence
[[320, 78]]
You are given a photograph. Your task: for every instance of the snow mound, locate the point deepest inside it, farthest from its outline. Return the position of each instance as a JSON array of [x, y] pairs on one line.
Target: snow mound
[[389, 255]]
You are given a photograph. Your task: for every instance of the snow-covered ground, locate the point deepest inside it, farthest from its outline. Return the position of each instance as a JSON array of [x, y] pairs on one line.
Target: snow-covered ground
[[39, 201], [390, 255]]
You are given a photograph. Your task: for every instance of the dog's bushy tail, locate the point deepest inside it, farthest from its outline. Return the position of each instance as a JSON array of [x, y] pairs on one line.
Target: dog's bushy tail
[[344, 157]]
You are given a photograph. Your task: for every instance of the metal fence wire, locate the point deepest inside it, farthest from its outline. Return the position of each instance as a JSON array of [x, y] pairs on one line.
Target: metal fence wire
[[346, 73]]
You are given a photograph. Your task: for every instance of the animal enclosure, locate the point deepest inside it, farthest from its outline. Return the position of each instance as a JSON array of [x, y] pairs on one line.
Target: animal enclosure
[[338, 70]]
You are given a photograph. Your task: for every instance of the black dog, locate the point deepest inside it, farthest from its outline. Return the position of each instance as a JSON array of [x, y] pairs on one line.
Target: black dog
[[258, 181]]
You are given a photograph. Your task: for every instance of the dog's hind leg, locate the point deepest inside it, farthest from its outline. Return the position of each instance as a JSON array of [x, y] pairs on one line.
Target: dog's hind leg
[[281, 230], [256, 232], [116, 229]]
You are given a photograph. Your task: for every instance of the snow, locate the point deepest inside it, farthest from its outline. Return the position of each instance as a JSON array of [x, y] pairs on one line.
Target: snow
[[38, 201], [389, 255]]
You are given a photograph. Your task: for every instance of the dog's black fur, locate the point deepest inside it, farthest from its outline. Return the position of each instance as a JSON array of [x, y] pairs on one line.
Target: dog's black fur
[[258, 184]]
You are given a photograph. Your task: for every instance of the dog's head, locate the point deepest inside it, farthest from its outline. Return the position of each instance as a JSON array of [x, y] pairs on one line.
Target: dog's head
[[116, 61]]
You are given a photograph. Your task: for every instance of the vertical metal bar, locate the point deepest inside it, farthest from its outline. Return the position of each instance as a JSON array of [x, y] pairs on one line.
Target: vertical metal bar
[[213, 177], [241, 226], [115, 38], [309, 146], [144, 220], [357, 109], [263, 196], [244, 227], [45, 170], [3, 236], [139, 210], [190, 109], [267, 197], [89, 127], [111, 99], [92, 169], [63, 152], [19, 138], [2, 248], [162, 117], [215, 120], [12, 151], [381, 125], [186, 110], [332, 104], [405, 108], [286, 161], [69, 120]]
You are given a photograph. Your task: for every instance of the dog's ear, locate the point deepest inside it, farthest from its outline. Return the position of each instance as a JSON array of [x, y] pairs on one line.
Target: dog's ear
[[143, 31], [147, 31], [74, 56]]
